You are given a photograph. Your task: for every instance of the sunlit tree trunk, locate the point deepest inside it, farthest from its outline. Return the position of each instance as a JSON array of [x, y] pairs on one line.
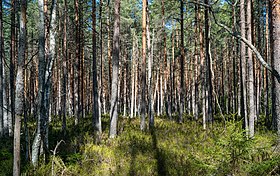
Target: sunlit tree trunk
[[243, 65], [150, 76], [96, 116], [115, 72], [275, 52], [143, 68], [251, 89]]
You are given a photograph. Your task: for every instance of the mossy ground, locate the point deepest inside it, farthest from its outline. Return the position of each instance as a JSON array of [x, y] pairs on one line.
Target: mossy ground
[[168, 149]]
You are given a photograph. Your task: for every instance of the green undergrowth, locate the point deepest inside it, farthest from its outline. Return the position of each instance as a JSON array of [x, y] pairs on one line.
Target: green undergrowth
[[168, 149]]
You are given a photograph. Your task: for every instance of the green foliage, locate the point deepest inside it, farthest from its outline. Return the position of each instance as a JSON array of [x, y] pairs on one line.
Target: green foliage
[[168, 149]]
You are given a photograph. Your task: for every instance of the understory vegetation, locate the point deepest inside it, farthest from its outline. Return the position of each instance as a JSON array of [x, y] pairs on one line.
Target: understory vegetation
[[168, 149]]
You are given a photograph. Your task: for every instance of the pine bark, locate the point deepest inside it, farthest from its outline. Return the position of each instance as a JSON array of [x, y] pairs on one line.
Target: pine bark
[[143, 69], [96, 115], [275, 52], [182, 67], [115, 72]]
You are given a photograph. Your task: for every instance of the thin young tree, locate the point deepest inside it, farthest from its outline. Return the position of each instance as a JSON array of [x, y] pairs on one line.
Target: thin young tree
[[115, 72]]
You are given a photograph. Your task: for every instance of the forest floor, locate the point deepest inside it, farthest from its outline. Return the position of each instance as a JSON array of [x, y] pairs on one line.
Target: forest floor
[[168, 149]]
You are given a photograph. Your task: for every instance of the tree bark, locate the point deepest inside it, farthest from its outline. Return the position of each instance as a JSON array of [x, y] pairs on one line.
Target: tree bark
[[243, 66], [96, 116], [143, 69], [275, 52], [182, 67], [40, 133], [20, 89], [251, 88], [208, 63], [150, 71], [115, 76]]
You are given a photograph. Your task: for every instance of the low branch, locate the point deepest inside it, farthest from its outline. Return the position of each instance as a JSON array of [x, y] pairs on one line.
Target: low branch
[[244, 40], [251, 46]]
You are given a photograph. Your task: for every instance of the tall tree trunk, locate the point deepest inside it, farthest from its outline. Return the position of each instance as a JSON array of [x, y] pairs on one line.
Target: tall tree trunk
[[115, 76], [40, 123], [96, 117], [243, 66], [150, 76], [143, 69], [182, 80], [208, 63], [12, 67], [1, 72], [20, 89], [251, 88], [65, 66], [77, 55], [275, 52]]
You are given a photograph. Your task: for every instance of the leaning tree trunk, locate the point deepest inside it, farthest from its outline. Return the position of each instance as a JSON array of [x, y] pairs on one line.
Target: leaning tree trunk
[[19, 101], [115, 74]]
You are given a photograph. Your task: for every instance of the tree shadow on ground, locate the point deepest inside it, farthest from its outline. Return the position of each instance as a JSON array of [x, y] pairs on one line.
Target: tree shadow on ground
[[159, 155]]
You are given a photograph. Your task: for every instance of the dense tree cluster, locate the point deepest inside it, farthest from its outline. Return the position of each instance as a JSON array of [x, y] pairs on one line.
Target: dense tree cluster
[[70, 59]]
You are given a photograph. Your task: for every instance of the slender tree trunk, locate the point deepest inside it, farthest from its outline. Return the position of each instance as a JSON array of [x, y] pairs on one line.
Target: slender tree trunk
[[275, 48], [77, 55], [266, 79], [143, 69], [115, 76], [208, 63], [12, 67], [96, 117], [251, 89], [182, 80], [243, 66], [150, 76], [133, 77], [65, 66], [1, 73], [40, 134], [20, 89]]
